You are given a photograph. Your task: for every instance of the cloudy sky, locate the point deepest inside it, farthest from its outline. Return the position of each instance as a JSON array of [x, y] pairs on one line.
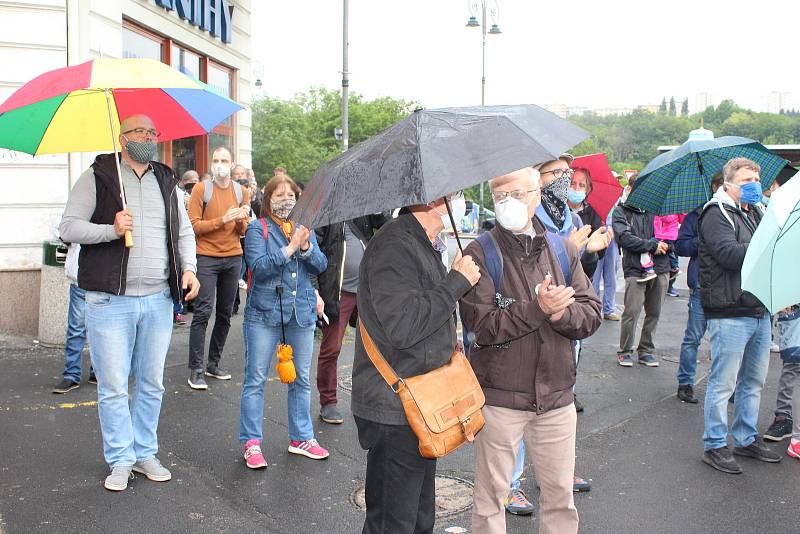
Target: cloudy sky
[[593, 53]]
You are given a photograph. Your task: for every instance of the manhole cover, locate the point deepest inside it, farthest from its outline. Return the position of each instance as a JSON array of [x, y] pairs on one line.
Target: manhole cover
[[453, 496], [346, 383]]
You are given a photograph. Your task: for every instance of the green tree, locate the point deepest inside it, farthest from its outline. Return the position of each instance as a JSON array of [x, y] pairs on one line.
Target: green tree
[[672, 109], [663, 107], [685, 107], [298, 134]]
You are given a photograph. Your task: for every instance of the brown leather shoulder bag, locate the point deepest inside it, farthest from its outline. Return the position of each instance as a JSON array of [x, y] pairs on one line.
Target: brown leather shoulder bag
[[443, 407]]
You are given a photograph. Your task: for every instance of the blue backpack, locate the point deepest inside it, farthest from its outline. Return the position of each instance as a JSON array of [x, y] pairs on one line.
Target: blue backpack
[[494, 264]]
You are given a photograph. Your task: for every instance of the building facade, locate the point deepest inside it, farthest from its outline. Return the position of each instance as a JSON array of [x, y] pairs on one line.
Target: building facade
[[205, 39]]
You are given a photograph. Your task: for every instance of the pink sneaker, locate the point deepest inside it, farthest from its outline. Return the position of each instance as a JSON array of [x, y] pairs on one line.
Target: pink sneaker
[[794, 449], [252, 454], [309, 448]]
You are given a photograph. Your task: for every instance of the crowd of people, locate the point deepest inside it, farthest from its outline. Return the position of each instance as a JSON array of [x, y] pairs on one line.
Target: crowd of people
[[201, 239]]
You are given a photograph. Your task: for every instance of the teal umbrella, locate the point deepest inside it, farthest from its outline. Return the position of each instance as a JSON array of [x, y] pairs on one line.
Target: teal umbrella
[[770, 266], [679, 181]]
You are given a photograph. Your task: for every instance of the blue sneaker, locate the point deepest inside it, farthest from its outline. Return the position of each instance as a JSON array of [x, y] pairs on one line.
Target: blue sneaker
[[672, 292], [580, 485], [625, 360], [649, 360], [517, 503]]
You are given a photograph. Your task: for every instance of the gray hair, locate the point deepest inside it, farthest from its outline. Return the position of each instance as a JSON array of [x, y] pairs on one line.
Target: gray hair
[[525, 171], [188, 175], [733, 166]]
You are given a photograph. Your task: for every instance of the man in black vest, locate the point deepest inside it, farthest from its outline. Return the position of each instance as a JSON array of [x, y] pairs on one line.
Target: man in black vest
[[129, 291]]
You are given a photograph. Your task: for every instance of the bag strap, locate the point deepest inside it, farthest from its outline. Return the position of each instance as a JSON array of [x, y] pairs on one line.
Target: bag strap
[[208, 190], [493, 258], [557, 246], [266, 238], [378, 360]]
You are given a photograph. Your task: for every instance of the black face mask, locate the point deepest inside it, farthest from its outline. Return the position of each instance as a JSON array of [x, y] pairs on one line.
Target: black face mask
[[188, 187]]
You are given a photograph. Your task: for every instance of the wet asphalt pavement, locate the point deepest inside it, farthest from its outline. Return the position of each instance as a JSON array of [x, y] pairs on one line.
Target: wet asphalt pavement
[[640, 446]]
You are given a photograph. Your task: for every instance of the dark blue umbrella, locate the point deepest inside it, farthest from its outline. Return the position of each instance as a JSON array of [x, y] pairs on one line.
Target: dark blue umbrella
[[429, 154], [679, 181]]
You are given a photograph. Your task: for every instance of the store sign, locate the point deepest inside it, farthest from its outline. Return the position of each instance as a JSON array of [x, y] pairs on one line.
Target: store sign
[[213, 16]]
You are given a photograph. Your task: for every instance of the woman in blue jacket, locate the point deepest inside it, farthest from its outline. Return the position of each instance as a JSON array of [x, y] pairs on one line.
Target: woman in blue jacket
[[280, 258]]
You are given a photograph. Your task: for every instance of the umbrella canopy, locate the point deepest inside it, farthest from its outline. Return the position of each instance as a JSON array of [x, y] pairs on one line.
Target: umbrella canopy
[[679, 181], [429, 154], [769, 266], [67, 110], [605, 187]]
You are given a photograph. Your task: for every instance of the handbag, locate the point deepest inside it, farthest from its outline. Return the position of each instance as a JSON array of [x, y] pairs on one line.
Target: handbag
[[443, 406]]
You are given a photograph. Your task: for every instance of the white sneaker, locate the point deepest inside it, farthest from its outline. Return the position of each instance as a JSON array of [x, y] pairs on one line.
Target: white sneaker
[[118, 479], [774, 347], [242, 284]]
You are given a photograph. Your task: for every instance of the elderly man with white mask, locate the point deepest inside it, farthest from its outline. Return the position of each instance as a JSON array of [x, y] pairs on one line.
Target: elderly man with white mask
[[524, 319]]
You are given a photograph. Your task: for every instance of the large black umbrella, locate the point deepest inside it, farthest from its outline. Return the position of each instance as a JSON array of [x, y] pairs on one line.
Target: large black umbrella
[[429, 154]]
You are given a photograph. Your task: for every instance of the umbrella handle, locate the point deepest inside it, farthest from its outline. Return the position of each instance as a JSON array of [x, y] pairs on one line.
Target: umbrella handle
[[128, 233], [453, 222]]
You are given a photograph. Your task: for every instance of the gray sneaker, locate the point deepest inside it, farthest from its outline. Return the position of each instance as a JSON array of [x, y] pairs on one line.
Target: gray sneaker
[[118, 479], [152, 469], [330, 414]]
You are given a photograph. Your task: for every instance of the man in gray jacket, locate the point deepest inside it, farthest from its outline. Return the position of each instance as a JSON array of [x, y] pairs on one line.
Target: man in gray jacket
[[129, 291], [406, 300]]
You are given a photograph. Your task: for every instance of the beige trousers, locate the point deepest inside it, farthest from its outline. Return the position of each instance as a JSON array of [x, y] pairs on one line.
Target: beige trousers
[[550, 441]]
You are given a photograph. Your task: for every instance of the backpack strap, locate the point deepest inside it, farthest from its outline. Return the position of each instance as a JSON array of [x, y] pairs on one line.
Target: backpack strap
[[556, 243], [208, 190], [493, 258]]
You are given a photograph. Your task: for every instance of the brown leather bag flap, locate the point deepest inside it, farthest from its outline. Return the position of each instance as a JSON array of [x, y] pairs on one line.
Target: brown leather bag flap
[[448, 395]]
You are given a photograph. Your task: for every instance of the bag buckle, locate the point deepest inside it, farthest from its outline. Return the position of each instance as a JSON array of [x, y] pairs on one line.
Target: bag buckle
[[396, 386]]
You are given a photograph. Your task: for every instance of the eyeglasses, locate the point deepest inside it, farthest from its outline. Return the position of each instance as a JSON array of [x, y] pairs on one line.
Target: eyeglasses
[[141, 132], [558, 173], [517, 194]]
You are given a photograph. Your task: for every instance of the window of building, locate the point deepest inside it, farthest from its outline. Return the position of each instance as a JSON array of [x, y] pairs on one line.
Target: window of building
[[193, 153]]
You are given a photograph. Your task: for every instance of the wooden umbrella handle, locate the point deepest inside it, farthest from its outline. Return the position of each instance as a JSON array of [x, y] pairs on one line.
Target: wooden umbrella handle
[[128, 239]]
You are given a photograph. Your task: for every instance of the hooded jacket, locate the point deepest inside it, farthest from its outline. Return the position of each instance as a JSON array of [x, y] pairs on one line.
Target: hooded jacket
[[572, 222], [725, 231], [524, 360]]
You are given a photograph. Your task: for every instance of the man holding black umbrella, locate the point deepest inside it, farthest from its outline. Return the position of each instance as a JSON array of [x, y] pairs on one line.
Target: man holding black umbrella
[[406, 301]]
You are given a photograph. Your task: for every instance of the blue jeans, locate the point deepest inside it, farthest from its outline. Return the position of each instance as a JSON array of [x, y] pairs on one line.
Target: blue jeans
[[261, 340], [129, 336], [519, 464], [695, 330], [76, 334], [739, 360], [607, 272]]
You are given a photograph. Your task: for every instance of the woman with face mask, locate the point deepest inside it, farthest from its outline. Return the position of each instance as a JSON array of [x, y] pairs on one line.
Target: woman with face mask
[[281, 309]]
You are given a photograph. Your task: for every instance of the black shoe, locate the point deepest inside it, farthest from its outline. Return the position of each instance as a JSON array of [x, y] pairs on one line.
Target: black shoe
[[219, 373], [578, 404], [686, 393], [759, 451], [93, 379], [722, 460], [196, 380], [330, 414], [66, 385], [780, 429]]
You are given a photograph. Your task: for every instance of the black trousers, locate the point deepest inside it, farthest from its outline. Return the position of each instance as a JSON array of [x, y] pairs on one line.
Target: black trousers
[[400, 489], [218, 277]]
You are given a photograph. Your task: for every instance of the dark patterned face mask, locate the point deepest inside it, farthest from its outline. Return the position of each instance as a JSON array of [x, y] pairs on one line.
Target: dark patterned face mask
[[554, 199], [143, 152]]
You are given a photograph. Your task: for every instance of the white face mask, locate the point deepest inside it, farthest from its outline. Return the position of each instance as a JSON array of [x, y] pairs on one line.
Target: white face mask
[[221, 170], [512, 214], [459, 207]]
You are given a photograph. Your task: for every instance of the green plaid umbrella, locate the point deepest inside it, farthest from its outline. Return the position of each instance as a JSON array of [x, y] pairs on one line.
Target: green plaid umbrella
[[679, 181]]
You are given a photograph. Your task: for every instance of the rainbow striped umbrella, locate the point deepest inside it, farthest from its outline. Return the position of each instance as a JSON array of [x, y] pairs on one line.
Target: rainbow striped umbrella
[[79, 108]]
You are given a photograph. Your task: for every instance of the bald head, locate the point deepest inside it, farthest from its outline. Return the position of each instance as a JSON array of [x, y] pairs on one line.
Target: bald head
[[136, 121], [527, 178]]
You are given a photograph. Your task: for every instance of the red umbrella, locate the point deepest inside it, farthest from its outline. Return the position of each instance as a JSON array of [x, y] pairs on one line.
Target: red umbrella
[[605, 188]]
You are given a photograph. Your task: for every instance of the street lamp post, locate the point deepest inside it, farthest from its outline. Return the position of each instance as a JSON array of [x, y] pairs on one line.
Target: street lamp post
[[345, 81], [481, 8]]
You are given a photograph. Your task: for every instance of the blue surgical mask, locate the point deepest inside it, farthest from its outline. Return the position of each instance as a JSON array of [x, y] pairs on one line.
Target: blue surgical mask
[[576, 197], [765, 200], [750, 193]]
